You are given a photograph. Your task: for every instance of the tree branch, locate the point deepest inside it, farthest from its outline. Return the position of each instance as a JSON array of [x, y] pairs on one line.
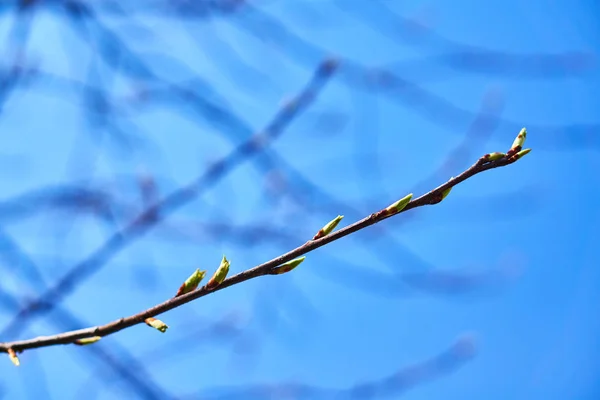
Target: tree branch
[[486, 162]]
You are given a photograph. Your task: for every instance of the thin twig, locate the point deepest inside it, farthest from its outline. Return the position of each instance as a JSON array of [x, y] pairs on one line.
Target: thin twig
[[268, 268]]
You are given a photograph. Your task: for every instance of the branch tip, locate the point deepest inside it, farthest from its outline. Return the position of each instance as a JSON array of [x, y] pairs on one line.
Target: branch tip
[[520, 139]]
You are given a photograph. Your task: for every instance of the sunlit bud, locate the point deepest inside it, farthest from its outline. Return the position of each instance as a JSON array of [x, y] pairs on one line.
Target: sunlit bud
[[519, 140], [327, 229], [495, 156], [399, 205], [288, 266], [13, 357], [156, 324], [523, 153], [90, 340], [520, 154], [219, 275], [191, 283]]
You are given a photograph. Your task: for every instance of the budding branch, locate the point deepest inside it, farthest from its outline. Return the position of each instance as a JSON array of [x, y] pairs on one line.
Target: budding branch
[[487, 162]]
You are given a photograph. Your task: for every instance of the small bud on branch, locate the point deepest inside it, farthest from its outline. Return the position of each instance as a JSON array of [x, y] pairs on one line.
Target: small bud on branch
[[327, 229], [521, 154], [219, 275], [494, 156], [398, 206], [191, 283], [86, 341], [156, 324], [288, 266], [518, 143], [439, 196], [13, 357], [520, 139], [446, 192]]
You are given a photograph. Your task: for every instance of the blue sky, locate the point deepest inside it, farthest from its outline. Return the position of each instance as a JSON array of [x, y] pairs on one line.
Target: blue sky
[[521, 241]]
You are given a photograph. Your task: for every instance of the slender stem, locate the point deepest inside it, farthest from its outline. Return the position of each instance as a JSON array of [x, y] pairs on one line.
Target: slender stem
[[432, 197]]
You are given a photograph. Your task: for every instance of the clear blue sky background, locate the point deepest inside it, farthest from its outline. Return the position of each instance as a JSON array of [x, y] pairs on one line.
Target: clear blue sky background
[[523, 239]]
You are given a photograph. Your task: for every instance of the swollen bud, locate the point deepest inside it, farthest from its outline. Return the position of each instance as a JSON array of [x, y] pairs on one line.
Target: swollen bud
[[85, 341], [13, 357], [523, 153], [191, 283], [288, 266], [399, 205], [327, 229], [519, 140], [156, 324], [520, 154], [219, 275]]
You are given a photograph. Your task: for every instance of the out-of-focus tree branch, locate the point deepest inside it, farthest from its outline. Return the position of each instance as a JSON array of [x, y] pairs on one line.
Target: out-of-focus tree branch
[[148, 219], [404, 379]]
